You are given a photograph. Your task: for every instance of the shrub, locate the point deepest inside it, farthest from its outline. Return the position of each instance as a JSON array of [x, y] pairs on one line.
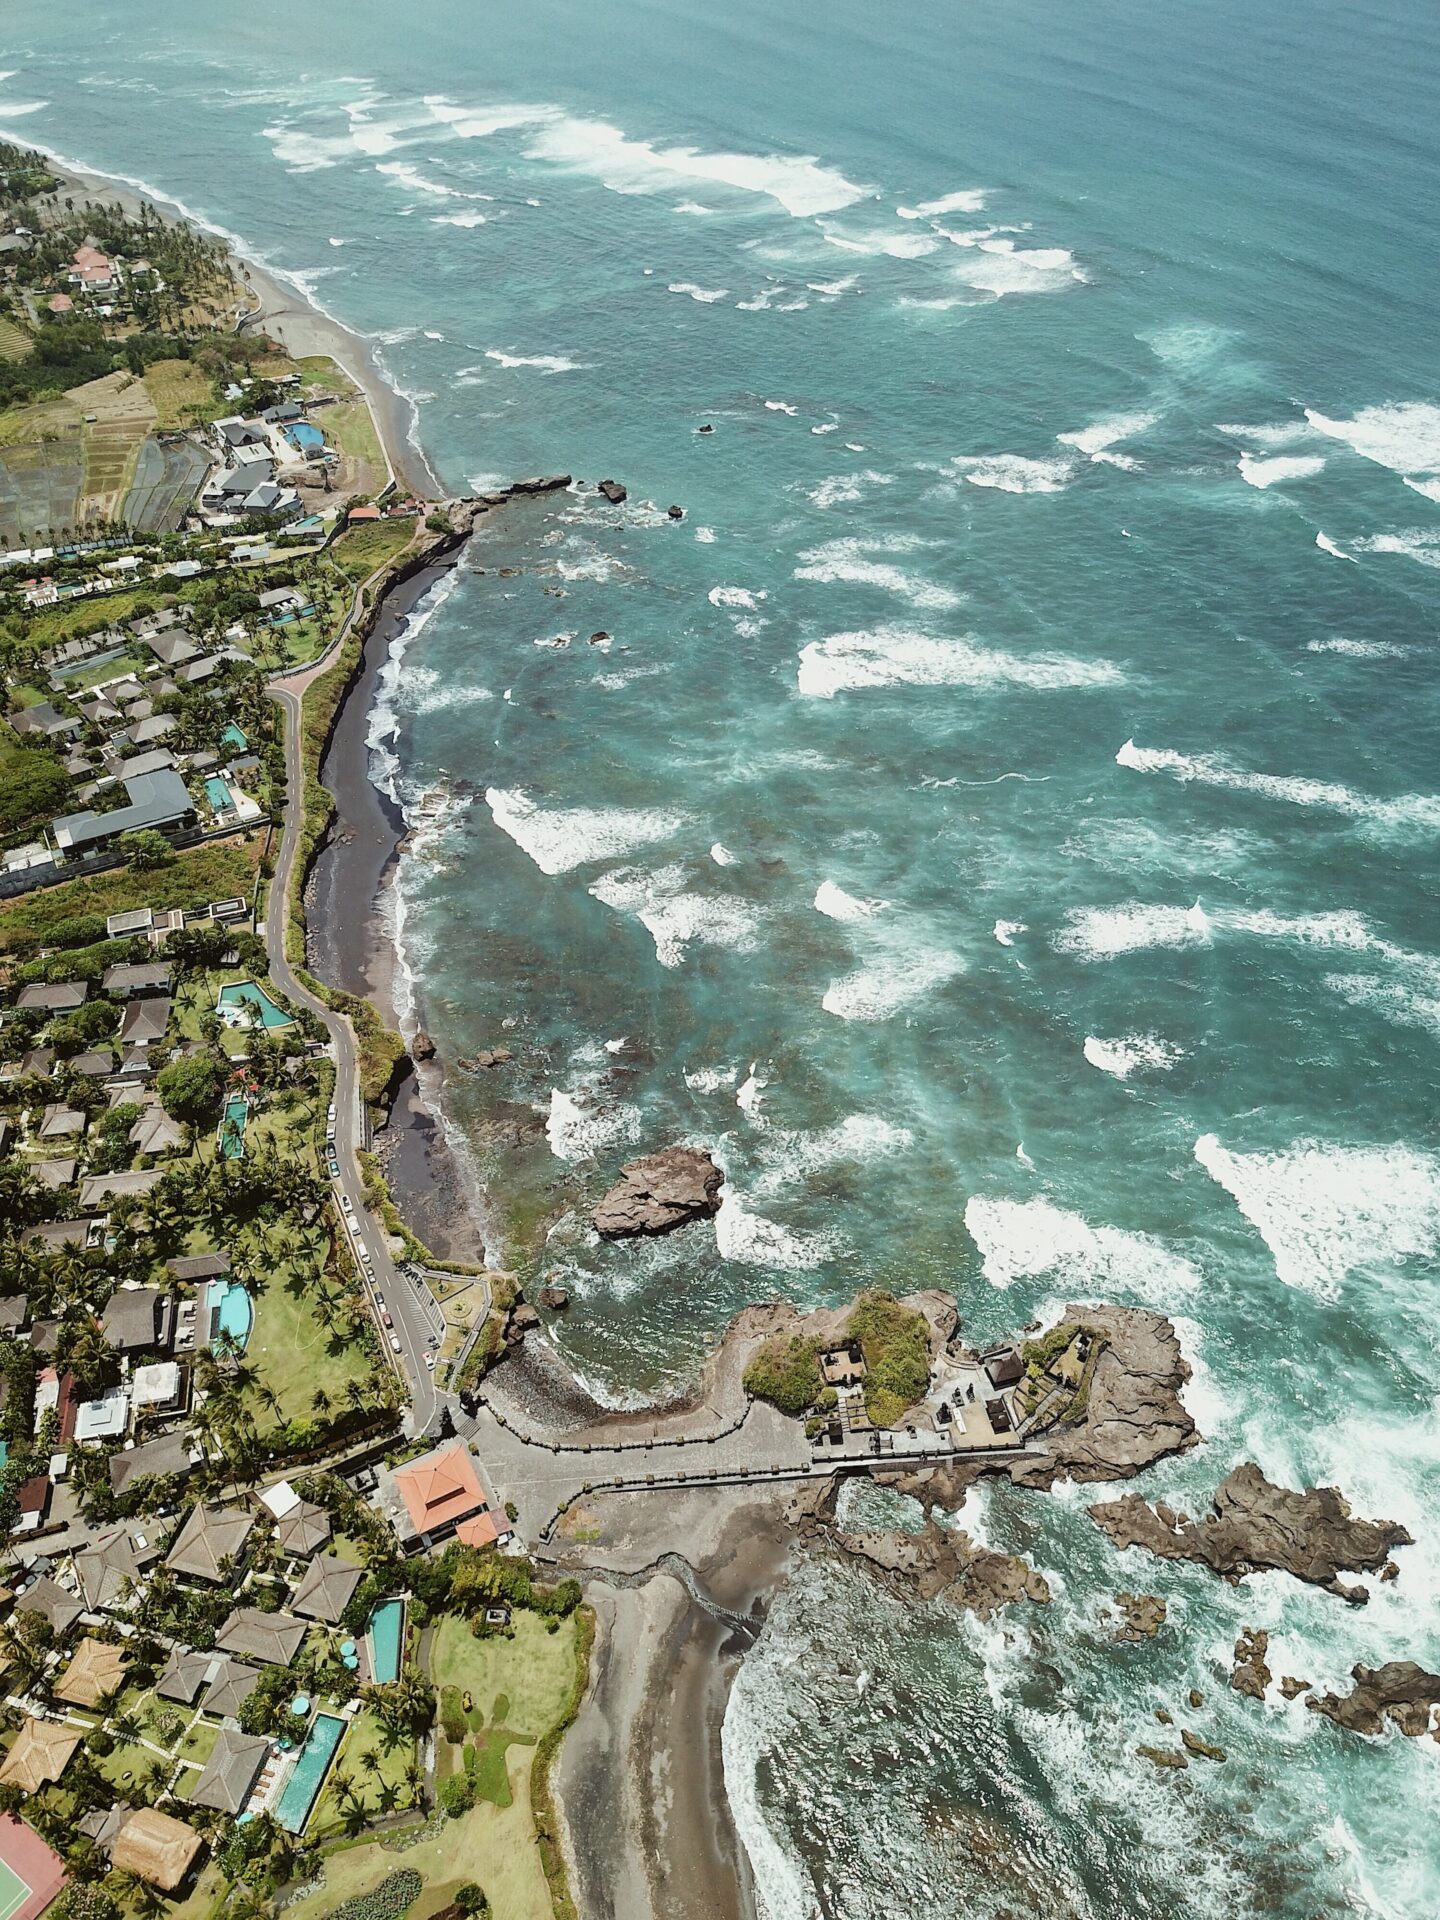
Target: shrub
[[395, 1893], [896, 1344], [455, 1796], [452, 1715], [785, 1372]]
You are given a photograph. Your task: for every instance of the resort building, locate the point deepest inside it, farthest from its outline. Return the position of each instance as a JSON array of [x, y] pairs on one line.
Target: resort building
[[183, 1675], [98, 1669], [438, 1497], [155, 800], [231, 1687], [40, 1755], [211, 1544], [275, 1638], [325, 1590], [231, 1771], [156, 1848]]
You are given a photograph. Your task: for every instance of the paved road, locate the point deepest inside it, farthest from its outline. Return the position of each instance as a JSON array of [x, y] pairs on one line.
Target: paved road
[[410, 1305]]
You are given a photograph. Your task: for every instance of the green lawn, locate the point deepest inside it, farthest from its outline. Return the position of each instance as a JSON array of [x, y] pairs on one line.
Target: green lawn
[[360, 551], [533, 1673], [352, 428], [292, 1352], [494, 1845], [320, 370]]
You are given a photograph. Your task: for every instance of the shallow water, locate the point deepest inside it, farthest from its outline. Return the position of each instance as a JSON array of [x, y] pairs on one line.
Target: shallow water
[[1001, 820]]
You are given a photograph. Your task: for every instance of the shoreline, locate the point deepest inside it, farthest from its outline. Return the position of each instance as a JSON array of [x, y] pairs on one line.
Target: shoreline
[[286, 311]]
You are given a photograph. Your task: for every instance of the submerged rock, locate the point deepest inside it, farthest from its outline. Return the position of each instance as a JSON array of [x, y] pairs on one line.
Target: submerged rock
[[1164, 1757], [1200, 1749], [1400, 1693], [660, 1192], [1256, 1525], [946, 1561]]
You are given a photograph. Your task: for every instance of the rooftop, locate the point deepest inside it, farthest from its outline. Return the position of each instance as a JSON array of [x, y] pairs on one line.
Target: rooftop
[[156, 1847], [210, 1543]]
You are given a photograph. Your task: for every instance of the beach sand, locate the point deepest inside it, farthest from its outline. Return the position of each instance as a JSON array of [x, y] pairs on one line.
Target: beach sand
[[640, 1779], [287, 316]]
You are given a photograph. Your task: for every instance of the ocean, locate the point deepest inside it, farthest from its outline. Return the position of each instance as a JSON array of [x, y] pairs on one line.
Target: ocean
[[999, 818]]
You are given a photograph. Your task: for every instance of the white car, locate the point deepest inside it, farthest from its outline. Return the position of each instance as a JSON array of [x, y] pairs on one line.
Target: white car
[[430, 1360], [395, 1343], [345, 1206], [330, 1116]]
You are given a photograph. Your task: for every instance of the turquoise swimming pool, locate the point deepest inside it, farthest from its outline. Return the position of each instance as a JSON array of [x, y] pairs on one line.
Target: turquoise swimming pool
[[386, 1627], [233, 737], [232, 1312], [305, 438], [232, 1127], [302, 1789], [243, 1000], [217, 793]]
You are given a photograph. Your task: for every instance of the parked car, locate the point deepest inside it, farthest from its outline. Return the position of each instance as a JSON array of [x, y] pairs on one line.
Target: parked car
[[430, 1360], [385, 1314], [345, 1206], [395, 1343]]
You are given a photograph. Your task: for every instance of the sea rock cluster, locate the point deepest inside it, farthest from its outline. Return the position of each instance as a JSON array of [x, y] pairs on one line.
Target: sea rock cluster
[[1256, 1525], [1399, 1694]]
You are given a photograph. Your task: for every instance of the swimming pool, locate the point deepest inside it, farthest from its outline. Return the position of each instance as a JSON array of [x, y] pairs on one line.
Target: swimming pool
[[242, 1001], [302, 1789], [231, 1312], [217, 793], [232, 1127], [305, 438], [386, 1624], [233, 737]]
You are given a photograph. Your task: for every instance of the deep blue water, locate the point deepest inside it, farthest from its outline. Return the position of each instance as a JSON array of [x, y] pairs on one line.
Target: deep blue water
[[1001, 820]]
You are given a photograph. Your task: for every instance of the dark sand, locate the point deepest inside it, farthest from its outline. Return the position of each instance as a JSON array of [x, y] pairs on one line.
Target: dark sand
[[348, 944]]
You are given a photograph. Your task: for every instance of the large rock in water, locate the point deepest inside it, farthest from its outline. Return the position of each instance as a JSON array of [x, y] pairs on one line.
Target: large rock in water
[[1257, 1525], [660, 1192], [1400, 1693]]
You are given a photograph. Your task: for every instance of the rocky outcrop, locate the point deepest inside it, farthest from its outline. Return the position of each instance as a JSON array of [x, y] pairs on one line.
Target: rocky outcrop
[[1143, 1615], [1250, 1675], [1254, 1525], [1399, 1694], [422, 1047], [1199, 1749], [544, 483], [674, 512], [553, 1297], [1133, 1415], [660, 1192], [1166, 1758], [490, 1057], [946, 1561], [613, 491], [1291, 1688]]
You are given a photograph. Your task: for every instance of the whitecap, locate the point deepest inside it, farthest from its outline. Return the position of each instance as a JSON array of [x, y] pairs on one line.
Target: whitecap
[[1006, 930], [999, 267], [782, 406], [750, 1240], [1013, 473], [1101, 435], [843, 489], [1101, 933], [1129, 1052], [1260, 472], [888, 984], [906, 657], [722, 856], [471, 217], [1408, 810], [1419, 543], [578, 1130], [1403, 435], [1327, 545], [1358, 649], [736, 597], [897, 246], [560, 838], [1325, 1212], [675, 917], [1022, 1239], [848, 562], [707, 296], [481, 122], [836, 904], [541, 362], [963, 200]]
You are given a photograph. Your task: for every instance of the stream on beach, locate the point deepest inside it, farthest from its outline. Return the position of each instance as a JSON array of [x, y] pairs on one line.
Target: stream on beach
[[998, 817]]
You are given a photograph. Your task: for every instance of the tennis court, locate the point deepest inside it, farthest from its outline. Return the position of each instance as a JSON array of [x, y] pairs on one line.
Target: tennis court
[[30, 1873], [14, 1891]]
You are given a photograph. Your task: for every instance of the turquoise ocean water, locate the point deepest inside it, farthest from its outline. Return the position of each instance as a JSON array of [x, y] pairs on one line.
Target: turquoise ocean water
[[1001, 819]]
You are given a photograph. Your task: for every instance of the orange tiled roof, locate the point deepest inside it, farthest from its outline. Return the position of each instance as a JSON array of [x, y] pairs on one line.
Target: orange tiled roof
[[482, 1530], [441, 1489]]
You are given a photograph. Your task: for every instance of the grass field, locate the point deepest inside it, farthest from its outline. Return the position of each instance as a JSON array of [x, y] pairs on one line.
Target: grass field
[[220, 871], [177, 389], [381, 1790], [494, 1845], [531, 1675], [360, 551], [352, 429], [319, 370], [15, 343]]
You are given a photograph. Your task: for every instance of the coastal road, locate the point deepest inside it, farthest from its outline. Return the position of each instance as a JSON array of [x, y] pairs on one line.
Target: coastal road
[[409, 1308]]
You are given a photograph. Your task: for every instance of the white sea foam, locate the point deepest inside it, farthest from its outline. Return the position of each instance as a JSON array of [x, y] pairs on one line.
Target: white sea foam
[[1006, 930], [676, 917], [891, 656], [1419, 543], [705, 535], [1421, 811], [848, 563], [710, 1079], [560, 838], [542, 362], [898, 246], [798, 183], [471, 217], [722, 856], [1358, 649], [1263, 472], [746, 597], [999, 267], [747, 1097], [752, 1241], [782, 406], [334, 242], [578, 1127], [1327, 545], [1108, 432], [1393, 1000], [842, 489], [1123, 1056], [1022, 1239], [707, 296], [1013, 473], [1430, 488], [1100, 933], [407, 176], [1403, 436], [836, 904], [1326, 1211], [964, 200], [481, 122], [888, 984]]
